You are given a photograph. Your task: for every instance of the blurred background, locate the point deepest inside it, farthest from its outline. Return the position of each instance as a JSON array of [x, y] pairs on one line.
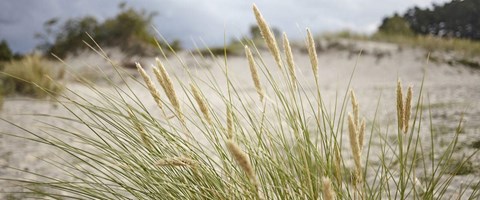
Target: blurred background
[[29, 24]]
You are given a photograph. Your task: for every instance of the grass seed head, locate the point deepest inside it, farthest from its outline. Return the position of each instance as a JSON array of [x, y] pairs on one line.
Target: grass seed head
[[361, 135], [169, 90], [400, 111], [353, 135], [151, 87], [356, 115], [254, 73], [267, 36], [328, 193], [201, 103], [141, 131], [407, 109], [312, 54], [242, 160], [290, 62]]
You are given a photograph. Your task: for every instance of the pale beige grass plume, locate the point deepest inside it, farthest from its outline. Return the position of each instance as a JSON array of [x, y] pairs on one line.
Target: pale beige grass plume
[[167, 85], [312, 54], [254, 73], [202, 104], [151, 87], [328, 193], [268, 36], [290, 62]]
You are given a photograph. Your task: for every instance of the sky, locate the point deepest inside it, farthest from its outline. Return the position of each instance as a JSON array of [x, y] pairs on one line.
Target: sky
[[209, 21]]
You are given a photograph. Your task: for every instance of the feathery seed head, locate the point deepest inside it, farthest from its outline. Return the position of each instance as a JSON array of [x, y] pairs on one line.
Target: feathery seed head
[[201, 103], [356, 114], [158, 75], [361, 135], [254, 73], [151, 87], [267, 36], [353, 135], [407, 108], [328, 193], [169, 89], [290, 62], [141, 131], [242, 160], [400, 108], [312, 53]]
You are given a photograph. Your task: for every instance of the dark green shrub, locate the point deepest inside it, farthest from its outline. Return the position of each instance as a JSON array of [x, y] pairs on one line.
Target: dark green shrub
[[130, 30], [395, 25], [5, 52]]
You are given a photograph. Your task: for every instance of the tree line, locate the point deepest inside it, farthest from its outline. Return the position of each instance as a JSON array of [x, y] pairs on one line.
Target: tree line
[[458, 18]]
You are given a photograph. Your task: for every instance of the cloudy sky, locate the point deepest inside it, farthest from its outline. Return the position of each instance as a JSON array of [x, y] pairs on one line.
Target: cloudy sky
[[206, 20]]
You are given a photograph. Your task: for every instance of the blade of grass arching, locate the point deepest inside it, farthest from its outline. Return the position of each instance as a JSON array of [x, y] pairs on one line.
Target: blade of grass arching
[[69, 151], [443, 164], [102, 184], [446, 183], [367, 157], [475, 193]]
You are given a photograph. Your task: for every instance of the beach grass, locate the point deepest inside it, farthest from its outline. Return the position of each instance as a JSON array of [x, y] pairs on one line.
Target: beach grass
[[281, 141], [31, 76]]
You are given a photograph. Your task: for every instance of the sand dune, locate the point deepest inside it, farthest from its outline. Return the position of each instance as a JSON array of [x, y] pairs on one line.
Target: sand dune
[[452, 92]]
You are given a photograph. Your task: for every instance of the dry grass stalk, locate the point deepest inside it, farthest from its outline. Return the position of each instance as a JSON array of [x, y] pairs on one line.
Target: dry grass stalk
[[291, 64], [312, 53], [404, 107], [177, 162], [243, 161], [139, 127], [201, 103], [361, 135], [229, 123], [254, 73], [151, 87], [355, 146], [268, 36], [400, 108], [167, 85], [158, 75], [328, 193], [407, 109], [356, 115]]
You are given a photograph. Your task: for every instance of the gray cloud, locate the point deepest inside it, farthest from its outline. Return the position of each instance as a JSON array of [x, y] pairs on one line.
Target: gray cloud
[[206, 19]]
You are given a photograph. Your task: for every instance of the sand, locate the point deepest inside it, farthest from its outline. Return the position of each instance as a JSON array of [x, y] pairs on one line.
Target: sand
[[453, 92]]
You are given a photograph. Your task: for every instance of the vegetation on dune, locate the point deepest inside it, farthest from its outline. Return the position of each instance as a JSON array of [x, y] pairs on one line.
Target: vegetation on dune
[[31, 76], [451, 27], [5, 52], [130, 30], [458, 18]]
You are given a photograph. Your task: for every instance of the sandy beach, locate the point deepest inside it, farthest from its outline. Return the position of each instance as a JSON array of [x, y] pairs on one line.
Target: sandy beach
[[451, 92]]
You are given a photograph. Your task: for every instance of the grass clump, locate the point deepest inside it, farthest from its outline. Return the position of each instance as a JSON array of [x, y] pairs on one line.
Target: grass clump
[[31, 76], [286, 144]]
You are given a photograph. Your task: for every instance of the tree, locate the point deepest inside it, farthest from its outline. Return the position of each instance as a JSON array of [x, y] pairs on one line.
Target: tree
[[458, 18], [5, 52], [395, 25], [130, 30]]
